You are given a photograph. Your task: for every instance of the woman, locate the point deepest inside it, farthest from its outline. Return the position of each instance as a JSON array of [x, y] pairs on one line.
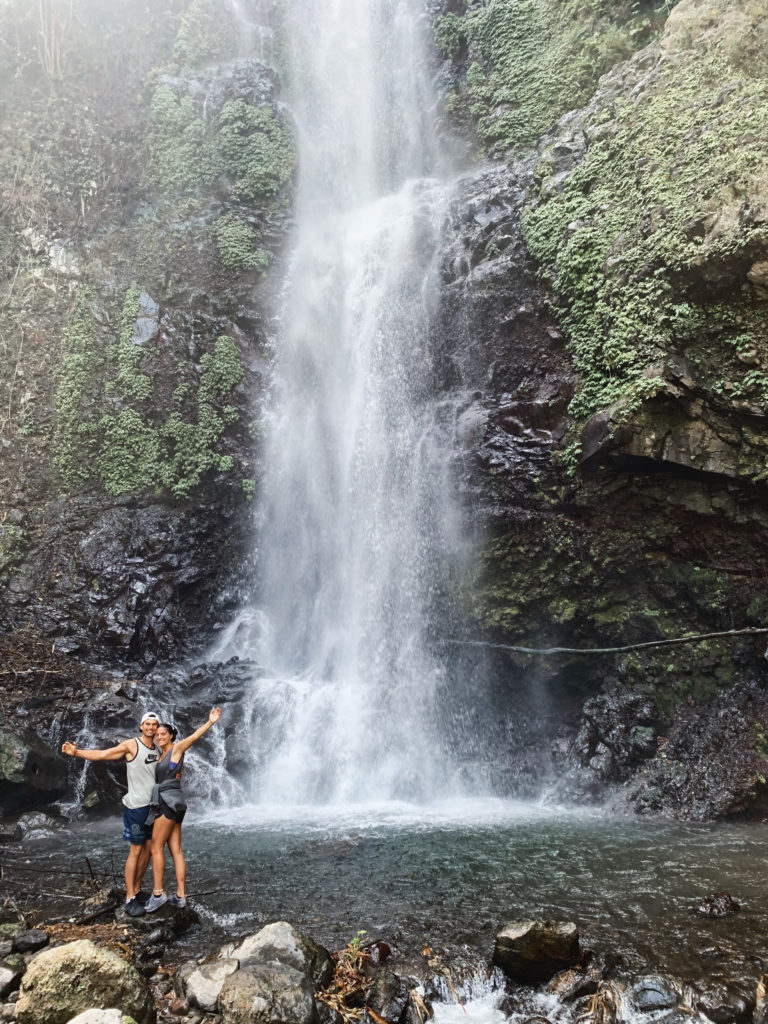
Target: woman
[[169, 808]]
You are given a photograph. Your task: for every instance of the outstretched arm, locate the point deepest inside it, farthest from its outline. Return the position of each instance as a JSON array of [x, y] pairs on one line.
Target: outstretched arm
[[111, 754], [183, 745]]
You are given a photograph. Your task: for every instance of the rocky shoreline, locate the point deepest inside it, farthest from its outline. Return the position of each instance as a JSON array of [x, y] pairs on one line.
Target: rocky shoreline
[[112, 969]]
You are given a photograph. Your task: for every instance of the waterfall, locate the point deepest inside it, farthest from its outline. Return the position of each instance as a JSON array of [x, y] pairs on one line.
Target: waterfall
[[359, 523]]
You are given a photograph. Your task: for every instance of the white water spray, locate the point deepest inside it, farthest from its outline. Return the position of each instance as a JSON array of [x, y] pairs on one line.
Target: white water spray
[[360, 524]]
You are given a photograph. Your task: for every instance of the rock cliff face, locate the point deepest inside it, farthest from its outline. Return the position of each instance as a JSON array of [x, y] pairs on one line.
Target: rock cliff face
[[610, 261], [145, 178], [620, 432]]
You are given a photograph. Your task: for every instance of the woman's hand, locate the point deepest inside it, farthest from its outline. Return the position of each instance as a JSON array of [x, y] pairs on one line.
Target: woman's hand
[[215, 715], [70, 749]]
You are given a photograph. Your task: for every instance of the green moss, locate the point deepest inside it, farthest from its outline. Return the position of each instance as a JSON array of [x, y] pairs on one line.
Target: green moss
[[449, 33], [259, 153], [192, 447], [236, 243], [73, 402], [182, 155], [534, 59], [130, 454], [628, 225], [132, 383]]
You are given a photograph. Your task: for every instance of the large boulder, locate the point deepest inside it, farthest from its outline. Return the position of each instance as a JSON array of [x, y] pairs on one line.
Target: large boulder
[[532, 952], [281, 943], [267, 993], [66, 980]]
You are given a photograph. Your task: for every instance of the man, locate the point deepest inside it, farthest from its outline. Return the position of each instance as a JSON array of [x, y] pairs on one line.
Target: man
[[141, 755]]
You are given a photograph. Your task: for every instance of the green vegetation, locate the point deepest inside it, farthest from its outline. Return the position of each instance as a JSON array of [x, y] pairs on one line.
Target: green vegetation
[[117, 441], [132, 383], [531, 60], [653, 202], [247, 146], [236, 243], [182, 156], [72, 437], [258, 152]]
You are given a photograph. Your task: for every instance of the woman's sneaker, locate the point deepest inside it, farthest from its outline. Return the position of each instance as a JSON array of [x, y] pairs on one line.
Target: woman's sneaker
[[155, 902], [178, 901]]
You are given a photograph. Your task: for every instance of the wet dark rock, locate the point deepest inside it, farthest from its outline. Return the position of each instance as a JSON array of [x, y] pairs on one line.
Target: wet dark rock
[[30, 941], [379, 951], [30, 773], [574, 984], [654, 993], [719, 904], [327, 1015], [10, 832], [167, 922], [726, 1002], [388, 996], [532, 952]]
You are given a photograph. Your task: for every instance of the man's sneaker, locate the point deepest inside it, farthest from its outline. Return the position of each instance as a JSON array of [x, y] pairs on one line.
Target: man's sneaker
[[133, 908], [155, 902], [141, 898], [178, 901]]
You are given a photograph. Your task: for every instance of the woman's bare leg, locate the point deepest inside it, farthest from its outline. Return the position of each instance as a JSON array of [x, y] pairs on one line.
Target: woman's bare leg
[[161, 830], [179, 860]]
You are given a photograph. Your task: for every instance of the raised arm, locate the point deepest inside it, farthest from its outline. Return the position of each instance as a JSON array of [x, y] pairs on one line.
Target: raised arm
[[111, 754], [183, 745]]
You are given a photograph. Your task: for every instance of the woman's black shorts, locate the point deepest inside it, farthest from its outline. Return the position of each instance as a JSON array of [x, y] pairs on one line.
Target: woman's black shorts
[[166, 812]]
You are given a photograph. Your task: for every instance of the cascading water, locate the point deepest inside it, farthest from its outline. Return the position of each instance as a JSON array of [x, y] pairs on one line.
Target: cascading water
[[359, 522]]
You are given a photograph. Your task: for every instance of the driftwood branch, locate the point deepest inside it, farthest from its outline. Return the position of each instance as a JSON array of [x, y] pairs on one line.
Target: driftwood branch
[[697, 638]]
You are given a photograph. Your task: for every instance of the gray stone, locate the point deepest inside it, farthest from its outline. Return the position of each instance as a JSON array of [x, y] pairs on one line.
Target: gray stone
[[203, 985], [281, 943], [264, 994]]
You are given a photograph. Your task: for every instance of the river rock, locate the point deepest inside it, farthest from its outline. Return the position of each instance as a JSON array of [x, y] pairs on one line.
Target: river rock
[[66, 980], [201, 985], [654, 993], [719, 904], [29, 941], [388, 995], [267, 993], [281, 943], [532, 952], [574, 983], [725, 1002]]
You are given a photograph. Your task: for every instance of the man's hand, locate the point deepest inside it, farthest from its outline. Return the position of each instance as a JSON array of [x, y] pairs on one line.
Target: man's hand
[[70, 749]]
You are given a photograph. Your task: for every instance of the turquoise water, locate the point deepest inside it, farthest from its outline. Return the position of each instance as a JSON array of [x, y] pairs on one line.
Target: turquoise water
[[451, 875]]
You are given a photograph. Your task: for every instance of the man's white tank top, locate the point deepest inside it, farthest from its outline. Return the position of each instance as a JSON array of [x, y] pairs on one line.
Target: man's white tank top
[[141, 776]]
